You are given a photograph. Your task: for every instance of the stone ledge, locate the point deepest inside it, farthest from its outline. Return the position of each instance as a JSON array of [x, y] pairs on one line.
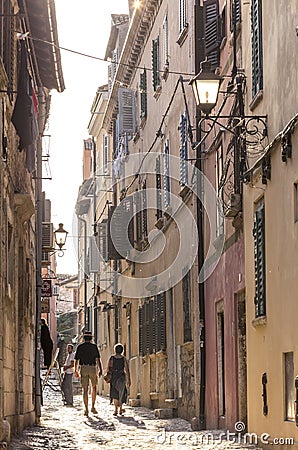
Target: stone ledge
[[154, 395], [163, 413], [135, 402], [171, 403]]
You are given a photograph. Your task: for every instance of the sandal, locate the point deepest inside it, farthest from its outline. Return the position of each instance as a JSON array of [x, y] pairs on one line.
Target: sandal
[[115, 413]]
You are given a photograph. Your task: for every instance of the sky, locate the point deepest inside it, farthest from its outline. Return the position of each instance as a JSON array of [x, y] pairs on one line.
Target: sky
[[83, 26]]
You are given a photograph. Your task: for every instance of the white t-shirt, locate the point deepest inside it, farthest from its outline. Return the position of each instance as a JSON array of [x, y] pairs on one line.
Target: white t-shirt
[[68, 360]]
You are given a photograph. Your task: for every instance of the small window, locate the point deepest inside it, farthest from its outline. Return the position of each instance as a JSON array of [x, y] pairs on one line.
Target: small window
[[260, 261], [143, 94], [155, 64], [257, 46], [289, 386]]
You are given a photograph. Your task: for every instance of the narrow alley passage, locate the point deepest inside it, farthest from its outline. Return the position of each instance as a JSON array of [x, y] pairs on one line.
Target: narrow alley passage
[[64, 427]]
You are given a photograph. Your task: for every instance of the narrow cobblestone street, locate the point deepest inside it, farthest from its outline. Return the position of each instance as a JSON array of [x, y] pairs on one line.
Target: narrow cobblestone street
[[65, 427]]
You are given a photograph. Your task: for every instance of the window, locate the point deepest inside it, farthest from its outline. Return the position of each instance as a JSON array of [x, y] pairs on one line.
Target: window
[[105, 153], [182, 15], [155, 64], [165, 29], [143, 96], [183, 150], [289, 386], [237, 10], [158, 189], [212, 32], [166, 178], [152, 325], [126, 112], [259, 257], [257, 47], [186, 295], [141, 214]]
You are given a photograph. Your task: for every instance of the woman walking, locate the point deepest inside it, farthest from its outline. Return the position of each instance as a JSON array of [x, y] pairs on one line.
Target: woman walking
[[118, 366]]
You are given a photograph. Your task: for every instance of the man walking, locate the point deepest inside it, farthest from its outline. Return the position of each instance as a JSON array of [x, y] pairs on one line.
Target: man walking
[[68, 369], [87, 355]]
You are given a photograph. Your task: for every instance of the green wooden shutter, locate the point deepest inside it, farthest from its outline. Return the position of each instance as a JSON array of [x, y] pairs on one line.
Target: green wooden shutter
[[143, 91], [232, 11], [257, 46], [260, 263], [211, 31], [155, 64]]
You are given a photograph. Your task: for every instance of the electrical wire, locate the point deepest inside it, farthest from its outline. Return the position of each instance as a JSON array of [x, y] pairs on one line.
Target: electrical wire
[[105, 60]]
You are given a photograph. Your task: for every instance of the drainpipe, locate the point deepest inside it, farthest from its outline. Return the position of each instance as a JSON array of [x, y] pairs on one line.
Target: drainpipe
[[94, 233], [38, 395], [86, 321], [200, 225]]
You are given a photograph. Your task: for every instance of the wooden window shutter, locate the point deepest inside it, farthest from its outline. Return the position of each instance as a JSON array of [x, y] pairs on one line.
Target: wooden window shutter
[[186, 307], [144, 211], [141, 330], [120, 231], [105, 153], [158, 189], [257, 46], [103, 239], [182, 15], [147, 325], [183, 150], [238, 13], [138, 203], [166, 178], [260, 263], [165, 42], [126, 111], [155, 64], [143, 91], [211, 31], [160, 313], [94, 258], [152, 327]]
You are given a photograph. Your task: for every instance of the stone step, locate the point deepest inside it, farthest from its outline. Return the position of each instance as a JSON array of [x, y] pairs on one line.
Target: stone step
[[163, 413]]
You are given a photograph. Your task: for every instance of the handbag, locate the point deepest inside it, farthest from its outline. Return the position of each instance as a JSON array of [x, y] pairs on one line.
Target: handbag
[[108, 375]]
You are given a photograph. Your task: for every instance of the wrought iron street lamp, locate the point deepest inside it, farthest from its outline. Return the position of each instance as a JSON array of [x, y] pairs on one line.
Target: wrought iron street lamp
[[60, 238], [205, 87]]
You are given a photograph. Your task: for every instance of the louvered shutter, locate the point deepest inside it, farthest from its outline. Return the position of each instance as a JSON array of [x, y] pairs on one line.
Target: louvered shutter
[[114, 62], [110, 77], [120, 231], [232, 11], [166, 178], [140, 315], [147, 328], [183, 150], [144, 211], [257, 46], [155, 64], [105, 153], [182, 15], [126, 108], [93, 255], [162, 320], [152, 327], [138, 204], [186, 307], [211, 32], [143, 90], [158, 189], [165, 41], [260, 266], [102, 240]]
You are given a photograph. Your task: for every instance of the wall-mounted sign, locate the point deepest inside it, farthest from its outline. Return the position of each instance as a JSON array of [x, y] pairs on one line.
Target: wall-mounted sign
[[45, 305], [46, 289]]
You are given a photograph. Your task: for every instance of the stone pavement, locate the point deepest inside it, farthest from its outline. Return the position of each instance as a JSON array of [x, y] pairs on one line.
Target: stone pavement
[[65, 427]]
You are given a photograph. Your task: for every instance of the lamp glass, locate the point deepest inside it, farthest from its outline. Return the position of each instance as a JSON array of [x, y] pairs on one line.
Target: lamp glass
[[60, 236], [206, 92]]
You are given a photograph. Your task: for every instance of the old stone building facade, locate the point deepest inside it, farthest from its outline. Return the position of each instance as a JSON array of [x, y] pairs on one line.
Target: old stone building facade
[[29, 69], [198, 344]]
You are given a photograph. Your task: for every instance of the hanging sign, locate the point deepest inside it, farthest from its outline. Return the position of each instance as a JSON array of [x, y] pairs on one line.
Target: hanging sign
[[46, 288]]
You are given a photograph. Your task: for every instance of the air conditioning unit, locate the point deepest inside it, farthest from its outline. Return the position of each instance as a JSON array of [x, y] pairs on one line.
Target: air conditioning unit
[[45, 259], [47, 235], [234, 205]]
